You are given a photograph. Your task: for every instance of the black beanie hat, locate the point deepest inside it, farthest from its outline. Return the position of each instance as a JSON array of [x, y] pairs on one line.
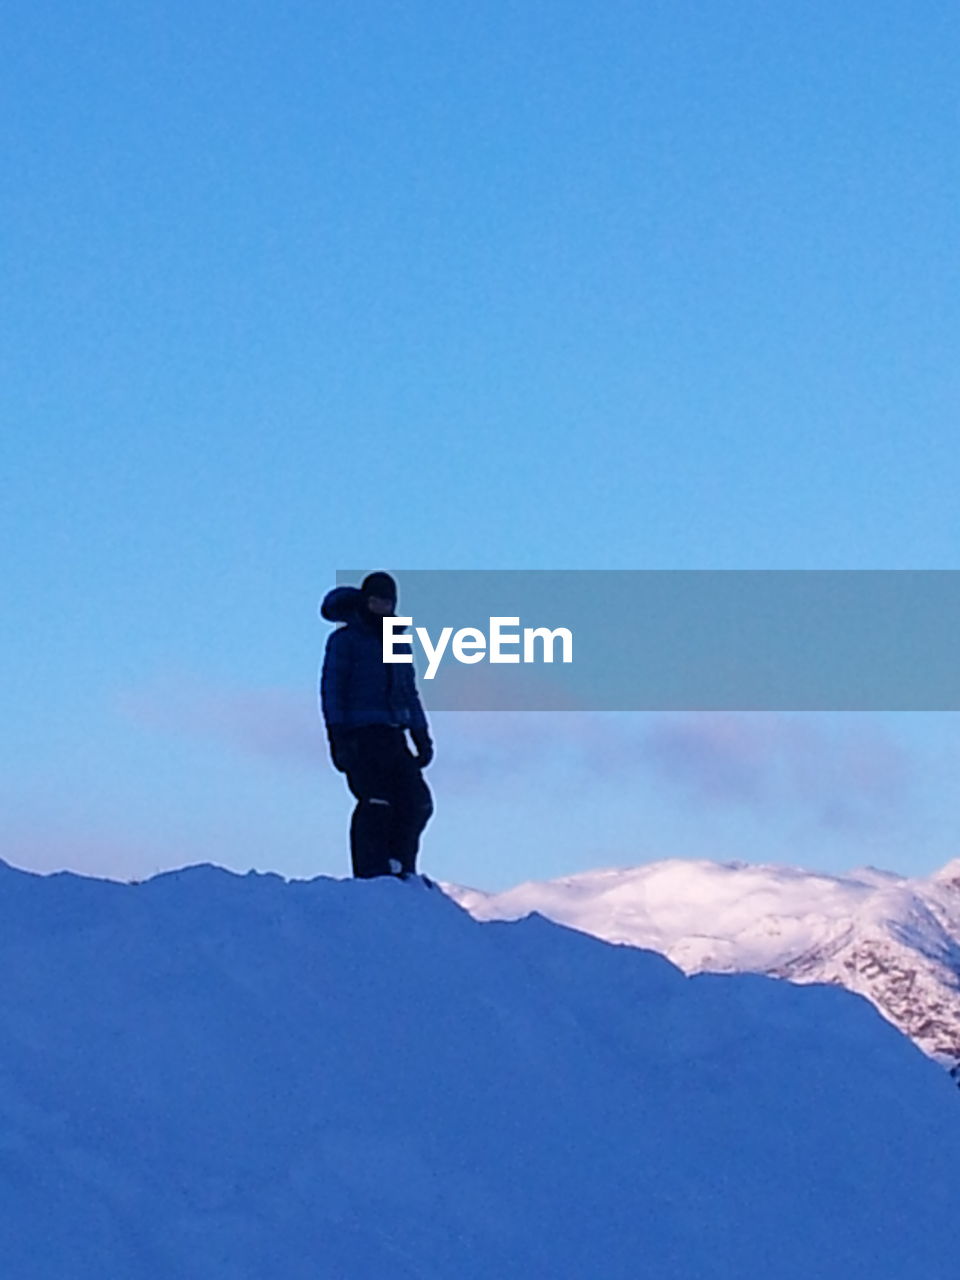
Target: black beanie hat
[[379, 584]]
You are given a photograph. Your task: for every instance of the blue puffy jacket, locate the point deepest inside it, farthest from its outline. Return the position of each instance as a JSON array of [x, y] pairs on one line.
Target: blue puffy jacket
[[356, 686]]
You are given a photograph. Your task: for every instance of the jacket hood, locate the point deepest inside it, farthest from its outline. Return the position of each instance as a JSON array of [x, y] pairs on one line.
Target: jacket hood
[[341, 604]]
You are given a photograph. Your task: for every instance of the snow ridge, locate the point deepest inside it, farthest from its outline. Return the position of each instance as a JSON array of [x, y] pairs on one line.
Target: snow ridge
[[894, 940], [219, 1077]]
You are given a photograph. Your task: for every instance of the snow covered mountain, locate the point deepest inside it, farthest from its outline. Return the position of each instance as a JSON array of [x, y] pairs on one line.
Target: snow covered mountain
[[891, 939], [219, 1077]]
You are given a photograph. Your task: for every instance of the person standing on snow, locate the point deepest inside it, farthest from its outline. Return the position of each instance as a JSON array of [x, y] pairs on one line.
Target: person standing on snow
[[368, 707]]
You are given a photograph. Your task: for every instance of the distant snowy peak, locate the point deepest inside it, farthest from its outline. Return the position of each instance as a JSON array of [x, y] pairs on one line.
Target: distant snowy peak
[[948, 876], [894, 940]]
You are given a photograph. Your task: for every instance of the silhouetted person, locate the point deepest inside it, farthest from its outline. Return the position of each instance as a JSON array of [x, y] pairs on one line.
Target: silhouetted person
[[368, 706]]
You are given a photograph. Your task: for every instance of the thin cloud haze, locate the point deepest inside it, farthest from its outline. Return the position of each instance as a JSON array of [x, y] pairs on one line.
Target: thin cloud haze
[[837, 774], [272, 723], [842, 775]]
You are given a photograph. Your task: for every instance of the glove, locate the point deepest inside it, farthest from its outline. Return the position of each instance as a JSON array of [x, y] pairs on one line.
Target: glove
[[421, 740], [342, 748]]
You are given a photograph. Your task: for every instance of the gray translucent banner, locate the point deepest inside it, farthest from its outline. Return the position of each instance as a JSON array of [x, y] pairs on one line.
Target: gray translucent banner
[[656, 640]]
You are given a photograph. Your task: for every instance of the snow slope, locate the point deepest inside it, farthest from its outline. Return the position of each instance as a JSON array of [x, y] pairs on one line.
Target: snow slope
[[221, 1077], [894, 940]]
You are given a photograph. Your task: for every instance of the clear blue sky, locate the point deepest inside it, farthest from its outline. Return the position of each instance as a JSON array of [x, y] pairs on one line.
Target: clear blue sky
[[289, 287]]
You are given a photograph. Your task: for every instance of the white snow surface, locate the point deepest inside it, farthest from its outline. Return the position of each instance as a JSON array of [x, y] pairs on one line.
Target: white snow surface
[[220, 1077], [892, 939]]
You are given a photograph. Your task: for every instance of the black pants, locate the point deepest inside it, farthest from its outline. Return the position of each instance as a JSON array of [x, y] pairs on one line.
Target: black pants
[[394, 803]]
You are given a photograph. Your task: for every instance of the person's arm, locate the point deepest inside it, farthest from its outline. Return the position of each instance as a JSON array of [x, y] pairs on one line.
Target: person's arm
[[334, 691], [418, 727]]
